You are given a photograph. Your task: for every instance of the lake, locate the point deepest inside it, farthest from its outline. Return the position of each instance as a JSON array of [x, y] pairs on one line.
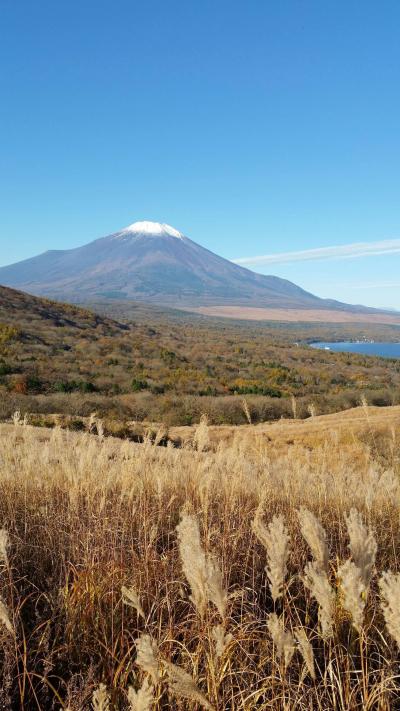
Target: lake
[[385, 350]]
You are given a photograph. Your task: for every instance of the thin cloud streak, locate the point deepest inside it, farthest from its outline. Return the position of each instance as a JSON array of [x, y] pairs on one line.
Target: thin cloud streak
[[376, 285], [345, 251]]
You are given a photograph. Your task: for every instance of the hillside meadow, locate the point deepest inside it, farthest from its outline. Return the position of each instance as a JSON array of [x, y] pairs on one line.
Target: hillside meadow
[[254, 572]]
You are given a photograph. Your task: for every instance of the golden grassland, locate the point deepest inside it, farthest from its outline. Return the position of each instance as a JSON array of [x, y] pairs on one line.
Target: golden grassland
[[349, 425], [252, 313], [241, 573]]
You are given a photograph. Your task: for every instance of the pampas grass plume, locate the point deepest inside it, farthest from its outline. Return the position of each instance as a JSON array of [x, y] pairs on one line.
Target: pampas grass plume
[[193, 559], [389, 586], [282, 639], [316, 580], [141, 700], [4, 542], [181, 684], [354, 591], [221, 640], [131, 598], [275, 539], [101, 699], [5, 618], [314, 534], [148, 656], [363, 546], [201, 436], [215, 589], [202, 572], [306, 650]]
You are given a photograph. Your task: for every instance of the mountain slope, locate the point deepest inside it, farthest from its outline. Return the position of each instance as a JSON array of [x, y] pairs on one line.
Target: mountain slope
[[153, 262], [30, 314]]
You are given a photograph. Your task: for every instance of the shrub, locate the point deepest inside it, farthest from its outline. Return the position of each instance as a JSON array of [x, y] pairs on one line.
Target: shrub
[[137, 385]]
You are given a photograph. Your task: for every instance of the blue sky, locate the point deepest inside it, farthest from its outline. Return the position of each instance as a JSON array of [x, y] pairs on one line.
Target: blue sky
[[256, 128]]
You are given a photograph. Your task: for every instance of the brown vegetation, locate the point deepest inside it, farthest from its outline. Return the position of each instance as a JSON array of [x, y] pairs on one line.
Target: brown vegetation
[[250, 575], [171, 367]]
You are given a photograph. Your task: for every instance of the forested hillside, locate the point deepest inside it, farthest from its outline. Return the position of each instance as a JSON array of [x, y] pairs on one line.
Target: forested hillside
[[145, 363]]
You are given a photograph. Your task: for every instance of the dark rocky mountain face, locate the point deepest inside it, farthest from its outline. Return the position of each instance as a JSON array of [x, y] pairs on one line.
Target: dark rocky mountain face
[[153, 262]]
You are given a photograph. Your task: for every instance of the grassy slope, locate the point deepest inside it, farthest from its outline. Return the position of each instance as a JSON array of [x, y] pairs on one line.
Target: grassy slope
[[85, 516], [349, 425]]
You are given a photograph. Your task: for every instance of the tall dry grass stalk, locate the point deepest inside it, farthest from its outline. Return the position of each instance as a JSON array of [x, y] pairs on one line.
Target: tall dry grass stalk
[[389, 586], [101, 698], [143, 699], [202, 572], [201, 436], [147, 657], [354, 591], [246, 410], [5, 617], [215, 586], [282, 639], [355, 575], [293, 403], [83, 514], [317, 582], [276, 541], [4, 544], [306, 650], [312, 410], [182, 685], [363, 545], [221, 639], [131, 598], [315, 535]]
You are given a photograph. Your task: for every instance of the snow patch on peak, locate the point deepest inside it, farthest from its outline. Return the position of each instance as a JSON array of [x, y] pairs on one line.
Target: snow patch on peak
[[152, 229]]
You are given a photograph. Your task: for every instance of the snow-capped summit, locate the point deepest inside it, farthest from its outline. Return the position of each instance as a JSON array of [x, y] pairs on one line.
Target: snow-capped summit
[[152, 229]]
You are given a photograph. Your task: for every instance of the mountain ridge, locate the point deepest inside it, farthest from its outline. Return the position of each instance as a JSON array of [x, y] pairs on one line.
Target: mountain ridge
[[155, 263]]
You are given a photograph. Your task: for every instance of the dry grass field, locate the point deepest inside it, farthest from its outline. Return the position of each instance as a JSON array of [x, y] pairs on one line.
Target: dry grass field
[[251, 313], [255, 571]]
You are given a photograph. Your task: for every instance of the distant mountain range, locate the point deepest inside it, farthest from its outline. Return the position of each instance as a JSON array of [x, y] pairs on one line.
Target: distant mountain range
[[153, 262]]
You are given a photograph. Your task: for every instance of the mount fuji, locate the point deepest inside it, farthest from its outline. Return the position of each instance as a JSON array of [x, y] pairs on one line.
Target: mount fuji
[[154, 262]]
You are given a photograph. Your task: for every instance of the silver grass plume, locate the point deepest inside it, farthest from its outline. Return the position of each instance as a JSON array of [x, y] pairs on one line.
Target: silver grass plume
[[246, 410], [143, 699], [282, 639], [147, 657], [131, 599], [183, 685], [221, 640], [316, 580], [201, 572], [363, 546], [4, 542], [389, 586], [16, 418], [314, 534], [306, 650], [5, 618], [275, 539], [101, 699], [354, 591], [201, 437], [193, 559], [215, 588]]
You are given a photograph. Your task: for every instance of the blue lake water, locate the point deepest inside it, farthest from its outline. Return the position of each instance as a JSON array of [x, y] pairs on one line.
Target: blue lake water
[[385, 350]]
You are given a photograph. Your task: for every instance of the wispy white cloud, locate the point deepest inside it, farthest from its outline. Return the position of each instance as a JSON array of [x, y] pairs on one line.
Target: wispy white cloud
[[344, 251], [375, 285]]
